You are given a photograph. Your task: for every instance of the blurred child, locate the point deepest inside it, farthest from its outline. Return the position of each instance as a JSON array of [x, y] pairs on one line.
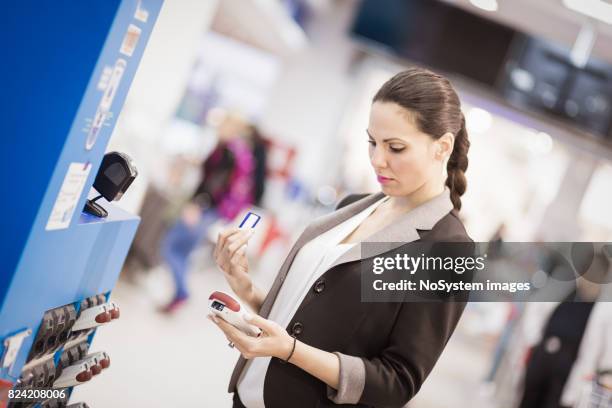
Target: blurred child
[[227, 187]]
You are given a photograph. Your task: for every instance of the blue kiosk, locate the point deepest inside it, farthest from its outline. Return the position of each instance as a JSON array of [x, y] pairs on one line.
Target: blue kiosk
[[67, 67]]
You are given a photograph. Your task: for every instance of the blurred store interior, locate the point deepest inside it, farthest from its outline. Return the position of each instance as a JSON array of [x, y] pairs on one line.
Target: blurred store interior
[[535, 79]]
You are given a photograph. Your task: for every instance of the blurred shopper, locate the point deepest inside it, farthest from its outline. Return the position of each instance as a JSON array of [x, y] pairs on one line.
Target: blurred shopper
[[260, 154], [572, 342], [351, 352], [226, 188], [594, 358], [495, 247], [595, 355], [551, 359]]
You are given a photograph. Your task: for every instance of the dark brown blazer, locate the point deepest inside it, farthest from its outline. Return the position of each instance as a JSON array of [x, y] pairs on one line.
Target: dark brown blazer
[[386, 350]]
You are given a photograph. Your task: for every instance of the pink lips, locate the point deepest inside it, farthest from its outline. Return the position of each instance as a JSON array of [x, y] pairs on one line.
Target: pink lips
[[382, 179]]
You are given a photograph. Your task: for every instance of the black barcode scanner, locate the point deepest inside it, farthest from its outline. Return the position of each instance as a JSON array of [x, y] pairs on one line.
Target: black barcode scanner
[[115, 175]]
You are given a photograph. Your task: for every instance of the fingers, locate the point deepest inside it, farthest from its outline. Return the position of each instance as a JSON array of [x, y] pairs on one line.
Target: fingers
[[230, 240], [227, 328], [222, 238], [231, 247], [266, 325], [244, 343], [237, 241], [221, 246], [238, 255]]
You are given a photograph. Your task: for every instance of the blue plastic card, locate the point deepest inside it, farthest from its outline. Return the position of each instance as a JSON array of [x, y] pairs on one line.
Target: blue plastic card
[[249, 214]]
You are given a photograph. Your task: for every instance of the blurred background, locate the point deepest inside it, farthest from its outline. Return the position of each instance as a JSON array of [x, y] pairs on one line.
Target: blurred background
[[241, 104]]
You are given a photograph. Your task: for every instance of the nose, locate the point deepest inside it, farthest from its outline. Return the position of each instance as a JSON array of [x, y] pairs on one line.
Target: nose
[[377, 157]]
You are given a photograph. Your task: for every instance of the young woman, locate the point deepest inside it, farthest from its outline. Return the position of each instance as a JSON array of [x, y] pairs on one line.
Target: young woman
[[321, 345]]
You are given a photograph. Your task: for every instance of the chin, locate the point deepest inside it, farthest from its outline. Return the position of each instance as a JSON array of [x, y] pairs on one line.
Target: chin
[[396, 191], [388, 190]]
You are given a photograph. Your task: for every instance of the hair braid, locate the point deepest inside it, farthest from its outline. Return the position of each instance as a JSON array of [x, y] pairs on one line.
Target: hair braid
[[457, 165]]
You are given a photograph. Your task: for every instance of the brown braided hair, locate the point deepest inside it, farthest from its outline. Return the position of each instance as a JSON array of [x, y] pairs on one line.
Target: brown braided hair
[[434, 104]]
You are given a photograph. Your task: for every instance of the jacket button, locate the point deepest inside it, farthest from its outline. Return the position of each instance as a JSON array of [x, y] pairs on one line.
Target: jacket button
[[297, 328], [319, 286]]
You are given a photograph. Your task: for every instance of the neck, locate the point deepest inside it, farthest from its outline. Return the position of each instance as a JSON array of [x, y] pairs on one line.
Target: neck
[[419, 196]]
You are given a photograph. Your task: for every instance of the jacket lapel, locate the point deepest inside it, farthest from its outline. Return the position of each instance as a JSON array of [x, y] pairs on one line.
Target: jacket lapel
[[316, 228], [404, 230]]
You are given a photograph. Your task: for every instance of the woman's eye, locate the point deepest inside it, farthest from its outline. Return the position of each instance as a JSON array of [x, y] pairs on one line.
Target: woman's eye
[[371, 142], [396, 149]]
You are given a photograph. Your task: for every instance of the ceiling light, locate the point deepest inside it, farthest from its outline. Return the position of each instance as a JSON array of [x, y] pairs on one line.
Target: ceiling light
[[581, 51]]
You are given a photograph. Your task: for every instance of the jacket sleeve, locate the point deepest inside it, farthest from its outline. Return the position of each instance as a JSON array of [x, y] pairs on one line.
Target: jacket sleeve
[[419, 334], [392, 378]]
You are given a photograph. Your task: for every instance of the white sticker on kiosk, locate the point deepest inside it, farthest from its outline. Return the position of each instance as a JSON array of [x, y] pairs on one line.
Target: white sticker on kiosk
[[103, 110], [130, 40], [68, 196], [12, 345], [141, 14]]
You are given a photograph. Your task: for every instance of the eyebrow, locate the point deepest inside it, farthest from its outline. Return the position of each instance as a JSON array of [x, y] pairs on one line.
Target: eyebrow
[[388, 139]]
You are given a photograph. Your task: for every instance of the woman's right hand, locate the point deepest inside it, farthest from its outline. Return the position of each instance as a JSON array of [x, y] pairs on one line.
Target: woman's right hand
[[230, 255]]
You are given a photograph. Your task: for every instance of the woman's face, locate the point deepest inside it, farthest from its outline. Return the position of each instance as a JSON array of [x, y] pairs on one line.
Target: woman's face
[[404, 158]]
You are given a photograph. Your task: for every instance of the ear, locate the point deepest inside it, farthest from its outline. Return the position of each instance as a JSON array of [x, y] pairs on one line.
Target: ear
[[444, 146]]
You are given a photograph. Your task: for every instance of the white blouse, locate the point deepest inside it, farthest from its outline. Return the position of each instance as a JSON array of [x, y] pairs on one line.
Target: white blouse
[[311, 261]]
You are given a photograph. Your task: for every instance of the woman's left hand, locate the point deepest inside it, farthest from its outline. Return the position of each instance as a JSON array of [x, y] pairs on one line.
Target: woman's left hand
[[274, 340]]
